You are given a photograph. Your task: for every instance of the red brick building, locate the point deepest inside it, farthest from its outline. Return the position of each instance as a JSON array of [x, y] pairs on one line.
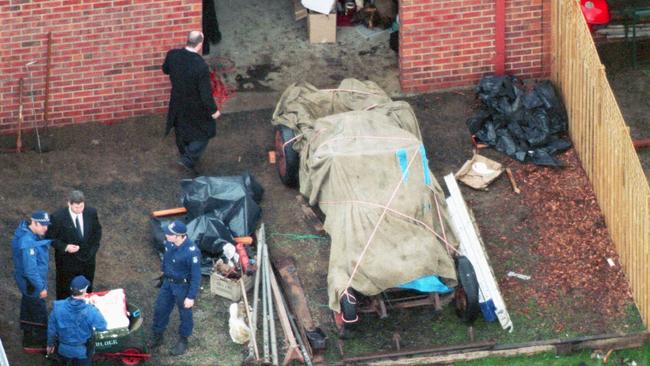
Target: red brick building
[[106, 54], [451, 43]]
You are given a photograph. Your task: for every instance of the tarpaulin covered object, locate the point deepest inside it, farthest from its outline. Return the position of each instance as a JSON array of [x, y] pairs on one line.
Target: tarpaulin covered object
[[359, 150], [525, 125]]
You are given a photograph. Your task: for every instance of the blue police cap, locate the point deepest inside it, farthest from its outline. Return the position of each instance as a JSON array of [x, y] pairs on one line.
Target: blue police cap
[[41, 217], [79, 283], [176, 228]]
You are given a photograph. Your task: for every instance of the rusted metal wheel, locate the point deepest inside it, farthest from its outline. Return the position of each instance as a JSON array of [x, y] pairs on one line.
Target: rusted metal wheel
[[466, 294], [131, 360], [286, 158]]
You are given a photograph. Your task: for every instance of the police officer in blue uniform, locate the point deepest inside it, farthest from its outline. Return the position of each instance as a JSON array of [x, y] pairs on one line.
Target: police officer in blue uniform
[[30, 256], [72, 324], [181, 279]]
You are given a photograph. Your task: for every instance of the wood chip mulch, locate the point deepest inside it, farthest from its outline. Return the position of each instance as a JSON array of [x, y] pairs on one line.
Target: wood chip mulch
[[573, 243]]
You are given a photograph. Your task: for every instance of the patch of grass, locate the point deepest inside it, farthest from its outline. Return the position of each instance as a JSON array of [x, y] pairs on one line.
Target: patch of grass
[[628, 357]]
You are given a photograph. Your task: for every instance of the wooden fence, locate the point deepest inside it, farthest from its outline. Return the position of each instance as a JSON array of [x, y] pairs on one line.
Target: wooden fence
[[603, 143]]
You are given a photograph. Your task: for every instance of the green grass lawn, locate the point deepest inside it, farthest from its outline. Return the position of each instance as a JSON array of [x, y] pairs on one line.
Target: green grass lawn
[[628, 357]]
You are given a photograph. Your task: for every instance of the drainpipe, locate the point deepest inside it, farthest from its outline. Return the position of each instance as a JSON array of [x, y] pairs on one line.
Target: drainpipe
[[500, 37]]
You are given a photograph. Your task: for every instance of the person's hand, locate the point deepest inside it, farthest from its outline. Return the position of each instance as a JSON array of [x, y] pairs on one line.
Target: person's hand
[[216, 115], [188, 303], [50, 350], [71, 248], [43, 294]]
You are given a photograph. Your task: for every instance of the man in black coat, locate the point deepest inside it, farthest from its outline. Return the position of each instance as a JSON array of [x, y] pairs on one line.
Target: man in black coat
[[75, 234], [192, 109]]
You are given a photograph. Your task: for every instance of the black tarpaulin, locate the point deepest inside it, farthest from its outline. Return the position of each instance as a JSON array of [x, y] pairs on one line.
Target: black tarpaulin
[[233, 200], [218, 209]]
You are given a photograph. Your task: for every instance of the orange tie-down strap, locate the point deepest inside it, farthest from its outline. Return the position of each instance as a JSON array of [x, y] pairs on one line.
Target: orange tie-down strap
[[247, 240]]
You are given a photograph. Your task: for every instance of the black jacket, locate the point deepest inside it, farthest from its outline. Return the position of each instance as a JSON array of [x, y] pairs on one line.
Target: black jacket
[[63, 232], [191, 104]]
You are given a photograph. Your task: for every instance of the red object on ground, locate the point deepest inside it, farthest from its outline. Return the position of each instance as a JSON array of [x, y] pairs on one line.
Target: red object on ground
[[220, 91], [344, 20], [243, 257], [596, 12]]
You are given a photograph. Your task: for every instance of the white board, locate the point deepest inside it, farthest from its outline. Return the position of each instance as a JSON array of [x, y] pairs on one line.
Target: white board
[[472, 248]]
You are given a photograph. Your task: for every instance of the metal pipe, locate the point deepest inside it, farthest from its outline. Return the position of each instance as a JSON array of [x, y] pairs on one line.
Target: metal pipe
[[31, 93], [500, 38], [19, 136], [261, 238], [265, 312], [267, 268], [48, 67]]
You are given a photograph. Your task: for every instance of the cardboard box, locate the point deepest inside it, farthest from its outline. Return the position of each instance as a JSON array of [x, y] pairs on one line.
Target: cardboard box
[[321, 28], [230, 289]]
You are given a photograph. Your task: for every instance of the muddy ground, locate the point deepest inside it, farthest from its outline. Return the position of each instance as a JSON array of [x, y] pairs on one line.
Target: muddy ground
[[128, 170]]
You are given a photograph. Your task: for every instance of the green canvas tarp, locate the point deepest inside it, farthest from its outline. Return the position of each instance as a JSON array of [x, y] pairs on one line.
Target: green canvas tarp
[[362, 161]]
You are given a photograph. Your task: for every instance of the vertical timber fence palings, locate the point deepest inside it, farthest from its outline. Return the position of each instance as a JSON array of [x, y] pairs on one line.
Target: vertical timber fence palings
[[603, 143]]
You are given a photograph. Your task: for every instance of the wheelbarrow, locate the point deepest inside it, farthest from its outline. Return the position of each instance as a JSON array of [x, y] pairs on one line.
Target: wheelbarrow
[[124, 344], [127, 344]]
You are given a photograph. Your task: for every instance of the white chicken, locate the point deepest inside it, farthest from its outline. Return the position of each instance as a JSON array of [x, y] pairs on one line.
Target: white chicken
[[239, 331]]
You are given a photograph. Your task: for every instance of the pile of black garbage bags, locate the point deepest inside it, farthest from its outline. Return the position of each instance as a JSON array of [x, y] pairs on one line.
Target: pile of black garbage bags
[[527, 125], [218, 209]]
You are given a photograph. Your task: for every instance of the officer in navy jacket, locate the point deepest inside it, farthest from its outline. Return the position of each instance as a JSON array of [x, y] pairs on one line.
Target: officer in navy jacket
[[30, 257], [72, 324], [192, 109], [181, 279]]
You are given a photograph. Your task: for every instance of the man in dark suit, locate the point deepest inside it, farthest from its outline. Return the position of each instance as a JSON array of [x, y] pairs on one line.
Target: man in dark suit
[[75, 234], [192, 109]]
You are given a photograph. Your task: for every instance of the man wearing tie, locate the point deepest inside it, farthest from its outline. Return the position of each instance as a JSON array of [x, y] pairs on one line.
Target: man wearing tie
[[76, 233]]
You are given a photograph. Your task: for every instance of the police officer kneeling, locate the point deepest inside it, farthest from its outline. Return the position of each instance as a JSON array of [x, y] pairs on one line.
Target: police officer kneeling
[[72, 325], [181, 278]]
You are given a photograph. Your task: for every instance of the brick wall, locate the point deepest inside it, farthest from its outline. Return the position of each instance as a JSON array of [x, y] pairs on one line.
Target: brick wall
[[106, 57], [451, 43]]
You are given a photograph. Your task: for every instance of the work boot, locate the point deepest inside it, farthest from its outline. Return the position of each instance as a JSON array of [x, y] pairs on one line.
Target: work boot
[[180, 347], [156, 340]]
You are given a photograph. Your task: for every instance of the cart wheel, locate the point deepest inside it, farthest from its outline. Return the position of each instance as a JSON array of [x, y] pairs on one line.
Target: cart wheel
[[286, 158], [466, 294], [128, 360]]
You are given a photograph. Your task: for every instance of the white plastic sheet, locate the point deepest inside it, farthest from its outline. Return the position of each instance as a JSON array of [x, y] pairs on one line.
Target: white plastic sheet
[[320, 6], [112, 306]]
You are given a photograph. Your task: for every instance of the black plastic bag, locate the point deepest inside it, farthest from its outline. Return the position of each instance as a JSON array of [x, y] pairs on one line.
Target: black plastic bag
[[525, 125], [209, 233], [233, 200], [541, 157], [476, 122], [505, 142]]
